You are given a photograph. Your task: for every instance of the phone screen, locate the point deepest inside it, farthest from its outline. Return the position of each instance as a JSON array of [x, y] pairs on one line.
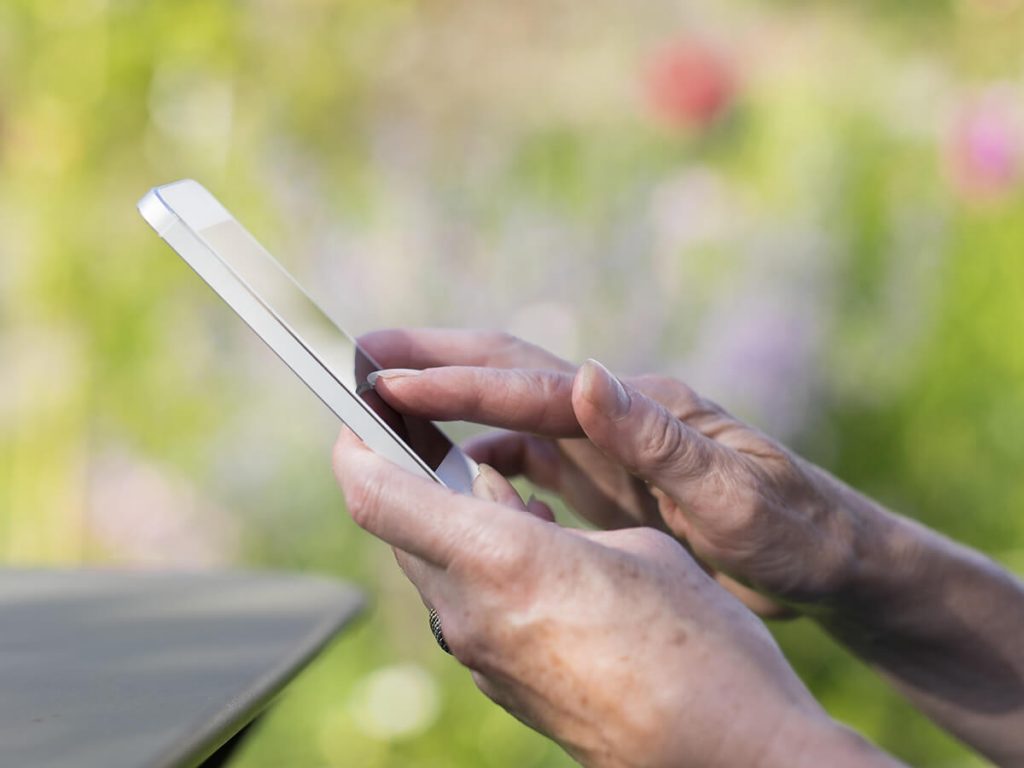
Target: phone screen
[[311, 326]]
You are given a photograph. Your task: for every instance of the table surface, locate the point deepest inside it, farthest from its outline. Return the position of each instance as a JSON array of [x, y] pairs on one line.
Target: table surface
[[121, 668]]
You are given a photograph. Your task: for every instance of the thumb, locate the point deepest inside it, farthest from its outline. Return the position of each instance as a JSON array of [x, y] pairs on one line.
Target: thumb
[[639, 432], [490, 485]]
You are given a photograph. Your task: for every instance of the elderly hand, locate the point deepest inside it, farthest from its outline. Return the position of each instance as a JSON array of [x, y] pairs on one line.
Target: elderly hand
[[938, 620], [616, 644], [646, 451]]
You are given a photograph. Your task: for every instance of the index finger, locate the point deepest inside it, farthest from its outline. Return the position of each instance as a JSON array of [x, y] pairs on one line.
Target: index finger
[[523, 400], [417, 515], [535, 401], [434, 347]]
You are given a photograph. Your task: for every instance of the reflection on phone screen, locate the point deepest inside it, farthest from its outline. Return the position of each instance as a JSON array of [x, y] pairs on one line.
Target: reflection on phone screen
[[310, 325]]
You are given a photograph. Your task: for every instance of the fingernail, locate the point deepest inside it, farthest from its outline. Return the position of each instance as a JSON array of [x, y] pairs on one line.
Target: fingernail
[[485, 485], [611, 396], [390, 373]]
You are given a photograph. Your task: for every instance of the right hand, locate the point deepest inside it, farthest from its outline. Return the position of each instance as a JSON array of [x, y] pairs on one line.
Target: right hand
[[613, 643], [646, 451]]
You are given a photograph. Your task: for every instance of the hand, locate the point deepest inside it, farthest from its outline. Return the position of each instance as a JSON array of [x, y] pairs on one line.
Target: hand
[[905, 599], [616, 644], [645, 451]]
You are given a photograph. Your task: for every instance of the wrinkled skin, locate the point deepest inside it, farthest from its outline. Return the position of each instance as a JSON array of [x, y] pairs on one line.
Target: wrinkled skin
[[769, 526], [616, 644], [938, 620]]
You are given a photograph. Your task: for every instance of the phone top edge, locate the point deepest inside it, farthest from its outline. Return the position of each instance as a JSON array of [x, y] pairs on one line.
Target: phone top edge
[[156, 213], [187, 200], [178, 212]]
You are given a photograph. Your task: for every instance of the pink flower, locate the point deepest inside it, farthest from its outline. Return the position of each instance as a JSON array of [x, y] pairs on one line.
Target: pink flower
[[689, 85], [985, 149]]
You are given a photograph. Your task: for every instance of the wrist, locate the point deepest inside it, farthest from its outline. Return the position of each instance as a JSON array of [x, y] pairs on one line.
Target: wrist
[[897, 575], [864, 553], [810, 741], [834, 562]]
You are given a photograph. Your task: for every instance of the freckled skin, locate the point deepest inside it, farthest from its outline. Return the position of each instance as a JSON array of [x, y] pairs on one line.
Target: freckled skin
[[616, 644], [939, 621], [550, 620], [618, 706]]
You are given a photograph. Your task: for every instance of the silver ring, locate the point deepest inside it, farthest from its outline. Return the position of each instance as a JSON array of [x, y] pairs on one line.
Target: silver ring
[[435, 627]]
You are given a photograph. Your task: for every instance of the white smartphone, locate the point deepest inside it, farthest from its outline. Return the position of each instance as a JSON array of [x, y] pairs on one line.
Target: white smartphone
[[271, 302]]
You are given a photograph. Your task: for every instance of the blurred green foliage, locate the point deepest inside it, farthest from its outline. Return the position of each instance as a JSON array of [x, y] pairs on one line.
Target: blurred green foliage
[[833, 249]]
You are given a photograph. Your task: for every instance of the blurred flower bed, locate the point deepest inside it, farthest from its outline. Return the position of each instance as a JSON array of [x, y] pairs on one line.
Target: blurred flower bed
[[812, 211]]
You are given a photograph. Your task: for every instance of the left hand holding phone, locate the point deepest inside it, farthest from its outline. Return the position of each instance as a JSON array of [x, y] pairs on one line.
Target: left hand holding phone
[[616, 644]]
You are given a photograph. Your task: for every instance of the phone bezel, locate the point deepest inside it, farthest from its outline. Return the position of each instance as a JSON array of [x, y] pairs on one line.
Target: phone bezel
[[178, 212]]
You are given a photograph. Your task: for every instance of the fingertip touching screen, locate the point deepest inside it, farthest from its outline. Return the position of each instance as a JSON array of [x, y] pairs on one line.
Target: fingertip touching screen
[[336, 351]]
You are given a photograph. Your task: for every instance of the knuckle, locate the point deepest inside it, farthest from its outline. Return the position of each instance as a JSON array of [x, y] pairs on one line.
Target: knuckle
[[511, 561], [669, 447], [686, 403], [710, 406], [504, 340], [662, 443], [660, 546], [664, 386], [526, 391], [476, 399], [679, 398], [363, 499], [499, 561], [549, 385], [520, 380]]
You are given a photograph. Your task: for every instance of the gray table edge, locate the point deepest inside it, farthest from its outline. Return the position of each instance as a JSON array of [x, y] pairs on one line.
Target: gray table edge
[[214, 731], [86, 652]]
